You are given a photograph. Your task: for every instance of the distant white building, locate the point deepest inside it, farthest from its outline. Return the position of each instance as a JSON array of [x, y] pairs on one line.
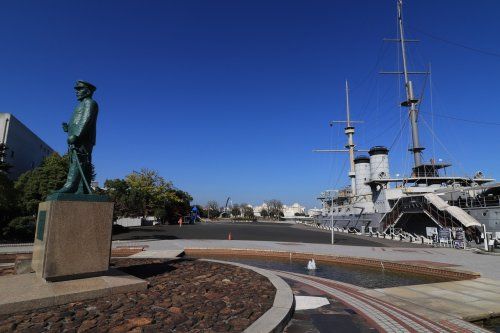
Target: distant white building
[[26, 150], [288, 211], [314, 212], [296, 208], [258, 209], [136, 221]]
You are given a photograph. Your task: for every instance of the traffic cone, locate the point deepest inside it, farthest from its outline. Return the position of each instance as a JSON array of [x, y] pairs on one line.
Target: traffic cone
[[229, 237]]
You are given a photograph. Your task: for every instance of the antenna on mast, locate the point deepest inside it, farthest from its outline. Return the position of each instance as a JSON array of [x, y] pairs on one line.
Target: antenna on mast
[[411, 102], [349, 132]]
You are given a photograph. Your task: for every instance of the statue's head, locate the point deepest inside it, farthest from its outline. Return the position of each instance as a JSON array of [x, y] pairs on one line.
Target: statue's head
[[84, 89]]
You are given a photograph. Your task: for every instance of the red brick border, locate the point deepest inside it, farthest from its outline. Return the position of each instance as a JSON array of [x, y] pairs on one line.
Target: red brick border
[[446, 273]]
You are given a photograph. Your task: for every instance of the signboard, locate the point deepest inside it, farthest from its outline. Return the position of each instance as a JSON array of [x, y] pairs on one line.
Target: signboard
[[431, 231], [459, 243], [445, 235]]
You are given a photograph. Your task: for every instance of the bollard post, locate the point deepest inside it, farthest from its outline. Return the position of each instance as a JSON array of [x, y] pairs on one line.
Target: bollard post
[[485, 238]]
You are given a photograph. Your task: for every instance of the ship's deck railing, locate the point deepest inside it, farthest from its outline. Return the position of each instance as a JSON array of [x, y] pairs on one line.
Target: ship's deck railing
[[414, 204], [479, 201], [397, 234]]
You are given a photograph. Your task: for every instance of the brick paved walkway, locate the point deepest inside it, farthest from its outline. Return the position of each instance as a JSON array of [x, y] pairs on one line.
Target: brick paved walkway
[[386, 317]]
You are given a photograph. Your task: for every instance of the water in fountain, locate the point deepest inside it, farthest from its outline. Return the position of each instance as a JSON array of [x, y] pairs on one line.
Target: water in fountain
[[311, 265]]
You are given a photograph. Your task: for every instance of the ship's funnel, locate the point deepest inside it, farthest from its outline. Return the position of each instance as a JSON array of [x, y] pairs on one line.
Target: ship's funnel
[[362, 170], [379, 163]]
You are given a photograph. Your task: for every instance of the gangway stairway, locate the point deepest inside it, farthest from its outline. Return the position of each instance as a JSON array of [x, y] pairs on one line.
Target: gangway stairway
[[433, 207]]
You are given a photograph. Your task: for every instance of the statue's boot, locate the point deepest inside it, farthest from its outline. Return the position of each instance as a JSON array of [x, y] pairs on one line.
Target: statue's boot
[[71, 185], [67, 188], [81, 188]]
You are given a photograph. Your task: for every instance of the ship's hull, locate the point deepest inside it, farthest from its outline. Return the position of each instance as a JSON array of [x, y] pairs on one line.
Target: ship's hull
[[413, 221], [370, 220]]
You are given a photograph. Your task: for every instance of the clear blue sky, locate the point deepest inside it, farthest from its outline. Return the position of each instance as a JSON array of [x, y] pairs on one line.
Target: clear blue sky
[[228, 98]]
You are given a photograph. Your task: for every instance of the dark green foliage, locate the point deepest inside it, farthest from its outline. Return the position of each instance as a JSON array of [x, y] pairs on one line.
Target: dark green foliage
[[33, 186], [176, 206], [235, 211], [8, 200], [264, 213], [146, 193], [213, 210], [4, 166], [248, 212], [118, 190], [21, 229], [22, 197]]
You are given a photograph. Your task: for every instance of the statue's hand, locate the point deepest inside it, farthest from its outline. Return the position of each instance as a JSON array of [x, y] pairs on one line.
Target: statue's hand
[[72, 139], [65, 127]]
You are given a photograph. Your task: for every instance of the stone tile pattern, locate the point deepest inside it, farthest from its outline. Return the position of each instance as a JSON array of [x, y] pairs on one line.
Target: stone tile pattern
[[183, 296], [335, 314], [386, 317], [470, 300]]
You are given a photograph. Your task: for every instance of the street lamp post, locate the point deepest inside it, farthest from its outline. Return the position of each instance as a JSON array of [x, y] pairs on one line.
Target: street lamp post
[[331, 223]]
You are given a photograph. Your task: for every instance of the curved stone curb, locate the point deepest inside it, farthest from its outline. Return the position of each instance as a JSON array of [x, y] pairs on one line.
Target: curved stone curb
[[276, 318]]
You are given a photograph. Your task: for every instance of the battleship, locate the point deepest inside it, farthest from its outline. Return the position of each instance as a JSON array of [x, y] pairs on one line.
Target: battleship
[[423, 203]]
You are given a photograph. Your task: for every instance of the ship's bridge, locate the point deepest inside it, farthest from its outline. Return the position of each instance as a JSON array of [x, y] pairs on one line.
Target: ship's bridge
[[428, 174]]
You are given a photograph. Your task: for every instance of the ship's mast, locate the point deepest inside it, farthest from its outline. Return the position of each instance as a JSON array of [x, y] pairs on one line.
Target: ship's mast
[[349, 131], [351, 147], [411, 101]]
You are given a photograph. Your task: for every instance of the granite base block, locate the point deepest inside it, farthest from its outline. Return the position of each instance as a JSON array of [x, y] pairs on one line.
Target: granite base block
[[27, 291], [72, 239]]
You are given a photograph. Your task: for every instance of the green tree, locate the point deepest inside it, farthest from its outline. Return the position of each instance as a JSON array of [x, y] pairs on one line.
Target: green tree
[[264, 213], [213, 210], [146, 193], [235, 210], [247, 211], [33, 186], [119, 191], [4, 166], [20, 228], [275, 208], [8, 200], [177, 204]]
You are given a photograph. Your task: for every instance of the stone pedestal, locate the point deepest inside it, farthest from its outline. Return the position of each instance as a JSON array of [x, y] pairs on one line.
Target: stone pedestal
[[72, 238]]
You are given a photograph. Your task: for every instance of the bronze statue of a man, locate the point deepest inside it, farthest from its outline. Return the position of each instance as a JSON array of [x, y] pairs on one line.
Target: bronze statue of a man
[[81, 131]]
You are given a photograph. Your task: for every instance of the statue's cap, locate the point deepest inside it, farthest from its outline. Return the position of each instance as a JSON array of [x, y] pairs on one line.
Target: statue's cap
[[81, 83]]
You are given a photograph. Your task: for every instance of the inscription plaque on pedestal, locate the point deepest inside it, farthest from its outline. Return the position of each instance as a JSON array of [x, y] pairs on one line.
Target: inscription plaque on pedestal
[[40, 224]]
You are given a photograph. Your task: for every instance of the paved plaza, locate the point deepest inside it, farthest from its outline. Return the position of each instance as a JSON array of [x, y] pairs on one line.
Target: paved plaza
[[435, 307], [257, 231], [449, 303]]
